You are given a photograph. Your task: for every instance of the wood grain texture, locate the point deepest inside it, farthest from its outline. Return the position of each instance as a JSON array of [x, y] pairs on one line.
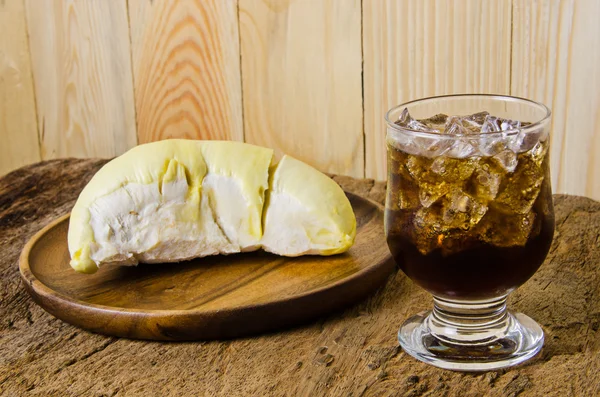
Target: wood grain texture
[[209, 298], [18, 125], [186, 65], [82, 72], [301, 69], [350, 353], [301, 76], [416, 49], [556, 60]]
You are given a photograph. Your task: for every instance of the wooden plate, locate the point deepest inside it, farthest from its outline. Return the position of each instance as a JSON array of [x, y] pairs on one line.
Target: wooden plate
[[208, 298]]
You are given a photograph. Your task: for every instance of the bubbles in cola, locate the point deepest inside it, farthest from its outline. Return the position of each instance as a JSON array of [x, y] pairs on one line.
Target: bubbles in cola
[[467, 207]]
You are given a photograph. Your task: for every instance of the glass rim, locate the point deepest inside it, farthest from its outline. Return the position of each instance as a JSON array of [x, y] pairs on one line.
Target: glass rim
[[533, 126]]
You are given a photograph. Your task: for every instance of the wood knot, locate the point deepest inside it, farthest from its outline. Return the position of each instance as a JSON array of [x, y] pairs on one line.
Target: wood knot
[[517, 385], [413, 379], [325, 358]]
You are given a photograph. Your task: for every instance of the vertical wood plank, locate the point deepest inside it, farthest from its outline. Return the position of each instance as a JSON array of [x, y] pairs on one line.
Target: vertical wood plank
[[18, 129], [186, 66], [82, 73], [301, 76], [556, 60], [415, 49]]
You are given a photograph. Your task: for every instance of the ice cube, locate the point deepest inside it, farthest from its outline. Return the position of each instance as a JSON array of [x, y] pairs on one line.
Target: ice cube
[[407, 121], [433, 146], [432, 186], [465, 125], [428, 219], [395, 154], [402, 196], [486, 182], [418, 167], [430, 146], [526, 139], [516, 141], [462, 148], [502, 230], [520, 189], [421, 169], [439, 165], [538, 153], [491, 145], [507, 125], [454, 126], [474, 122], [408, 199], [461, 210], [453, 170], [430, 193], [427, 229], [460, 126], [497, 124], [436, 122], [507, 159], [402, 192], [407, 193], [431, 232], [402, 142], [477, 118]]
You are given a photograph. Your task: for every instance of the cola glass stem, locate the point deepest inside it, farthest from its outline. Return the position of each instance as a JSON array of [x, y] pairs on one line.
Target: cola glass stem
[[470, 322]]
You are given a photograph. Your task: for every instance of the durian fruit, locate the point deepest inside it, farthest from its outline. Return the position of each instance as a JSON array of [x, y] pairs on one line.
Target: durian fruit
[[174, 200]]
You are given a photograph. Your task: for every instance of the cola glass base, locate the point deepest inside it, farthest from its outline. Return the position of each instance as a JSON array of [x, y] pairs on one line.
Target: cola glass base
[[471, 336]]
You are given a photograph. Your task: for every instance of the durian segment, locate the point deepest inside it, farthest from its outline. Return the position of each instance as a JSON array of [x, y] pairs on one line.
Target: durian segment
[[306, 212], [235, 186], [160, 202]]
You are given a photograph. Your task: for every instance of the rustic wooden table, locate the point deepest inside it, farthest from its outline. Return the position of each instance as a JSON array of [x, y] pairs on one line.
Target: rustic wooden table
[[350, 353]]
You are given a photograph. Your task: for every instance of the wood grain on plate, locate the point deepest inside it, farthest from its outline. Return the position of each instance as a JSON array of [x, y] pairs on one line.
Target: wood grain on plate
[[205, 298]]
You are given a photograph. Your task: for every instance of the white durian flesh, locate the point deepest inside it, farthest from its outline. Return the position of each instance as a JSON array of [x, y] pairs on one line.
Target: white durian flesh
[[175, 200]]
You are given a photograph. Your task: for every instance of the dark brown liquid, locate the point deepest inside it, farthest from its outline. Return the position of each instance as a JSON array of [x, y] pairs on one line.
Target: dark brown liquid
[[473, 268], [482, 271]]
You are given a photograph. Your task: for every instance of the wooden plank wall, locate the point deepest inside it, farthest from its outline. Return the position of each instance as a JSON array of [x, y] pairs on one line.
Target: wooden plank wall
[[80, 56], [556, 60], [301, 74], [186, 69], [312, 78], [417, 49], [18, 130]]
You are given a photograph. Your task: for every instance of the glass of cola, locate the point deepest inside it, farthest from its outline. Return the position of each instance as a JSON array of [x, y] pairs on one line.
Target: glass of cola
[[469, 218]]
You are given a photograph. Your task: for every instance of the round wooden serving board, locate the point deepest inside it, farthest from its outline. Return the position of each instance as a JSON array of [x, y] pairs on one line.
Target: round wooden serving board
[[207, 298]]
